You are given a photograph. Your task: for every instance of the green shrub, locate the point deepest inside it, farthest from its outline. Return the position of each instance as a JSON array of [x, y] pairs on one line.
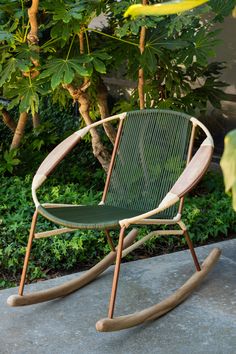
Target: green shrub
[[208, 216], [65, 252]]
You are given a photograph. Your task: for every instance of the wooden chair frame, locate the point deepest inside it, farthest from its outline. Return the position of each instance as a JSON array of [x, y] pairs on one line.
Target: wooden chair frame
[[195, 169]]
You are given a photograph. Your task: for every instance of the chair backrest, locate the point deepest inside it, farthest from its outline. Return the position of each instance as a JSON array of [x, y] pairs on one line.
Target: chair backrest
[[151, 155]]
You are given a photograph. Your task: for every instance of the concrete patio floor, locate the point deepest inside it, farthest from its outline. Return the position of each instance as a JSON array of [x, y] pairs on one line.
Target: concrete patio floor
[[205, 323]]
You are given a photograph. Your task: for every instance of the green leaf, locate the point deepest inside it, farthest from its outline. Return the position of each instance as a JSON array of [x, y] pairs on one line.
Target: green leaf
[[101, 55], [30, 101], [81, 70], [99, 66], [5, 36], [156, 43], [222, 8], [9, 69], [68, 75], [63, 71], [148, 60], [228, 164]]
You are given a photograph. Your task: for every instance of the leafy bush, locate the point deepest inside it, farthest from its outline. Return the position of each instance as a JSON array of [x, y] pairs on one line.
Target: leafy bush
[[55, 126], [207, 216], [59, 252]]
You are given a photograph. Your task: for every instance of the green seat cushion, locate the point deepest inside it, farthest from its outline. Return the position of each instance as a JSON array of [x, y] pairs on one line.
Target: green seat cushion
[[87, 217]]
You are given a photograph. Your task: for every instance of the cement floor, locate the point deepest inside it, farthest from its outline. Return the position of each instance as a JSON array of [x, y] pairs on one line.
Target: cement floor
[[204, 324]]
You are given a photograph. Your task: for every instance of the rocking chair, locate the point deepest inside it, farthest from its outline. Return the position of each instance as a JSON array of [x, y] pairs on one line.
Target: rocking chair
[[151, 171]]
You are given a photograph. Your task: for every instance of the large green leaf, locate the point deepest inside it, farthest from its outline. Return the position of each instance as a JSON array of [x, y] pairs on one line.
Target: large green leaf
[[228, 164], [64, 70], [202, 46], [222, 8], [27, 94], [156, 42], [7, 71], [66, 12], [30, 100]]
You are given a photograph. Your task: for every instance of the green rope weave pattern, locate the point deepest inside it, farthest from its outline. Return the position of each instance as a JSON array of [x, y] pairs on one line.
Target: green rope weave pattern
[[151, 156]]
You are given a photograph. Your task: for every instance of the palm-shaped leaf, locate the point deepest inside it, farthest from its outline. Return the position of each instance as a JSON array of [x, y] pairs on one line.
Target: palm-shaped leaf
[[64, 70]]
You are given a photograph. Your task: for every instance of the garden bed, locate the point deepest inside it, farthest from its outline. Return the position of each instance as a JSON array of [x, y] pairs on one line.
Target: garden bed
[[207, 213]]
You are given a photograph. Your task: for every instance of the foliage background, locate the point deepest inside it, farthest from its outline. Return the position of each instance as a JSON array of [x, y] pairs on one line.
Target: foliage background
[[54, 74]]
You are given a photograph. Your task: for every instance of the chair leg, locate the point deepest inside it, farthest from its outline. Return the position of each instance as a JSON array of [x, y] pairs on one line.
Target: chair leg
[[27, 255], [116, 273], [190, 245], [109, 240]]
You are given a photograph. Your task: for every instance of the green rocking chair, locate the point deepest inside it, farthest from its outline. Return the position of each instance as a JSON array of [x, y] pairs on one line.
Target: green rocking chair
[[151, 171]]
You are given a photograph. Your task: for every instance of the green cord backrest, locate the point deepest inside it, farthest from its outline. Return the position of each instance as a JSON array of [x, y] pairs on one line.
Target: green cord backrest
[[151, 155]]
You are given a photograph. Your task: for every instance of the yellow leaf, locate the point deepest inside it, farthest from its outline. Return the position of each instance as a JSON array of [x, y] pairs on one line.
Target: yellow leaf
[[234, 12], [166, 8]]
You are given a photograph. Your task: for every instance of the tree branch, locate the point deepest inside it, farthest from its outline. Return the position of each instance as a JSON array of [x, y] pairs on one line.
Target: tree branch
[[19, 132], [8, 121], [141, 71], [32, 13], [102, 95]]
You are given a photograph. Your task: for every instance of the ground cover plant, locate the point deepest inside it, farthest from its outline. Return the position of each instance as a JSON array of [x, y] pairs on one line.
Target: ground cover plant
[[209, 217]]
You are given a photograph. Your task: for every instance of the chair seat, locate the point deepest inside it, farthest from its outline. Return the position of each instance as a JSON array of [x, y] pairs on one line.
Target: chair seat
[[87, 217]]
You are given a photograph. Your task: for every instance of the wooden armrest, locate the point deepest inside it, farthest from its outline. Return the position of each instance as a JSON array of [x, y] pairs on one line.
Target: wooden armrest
[[56, 156], [60, 151], [195, 170], [191, 175]]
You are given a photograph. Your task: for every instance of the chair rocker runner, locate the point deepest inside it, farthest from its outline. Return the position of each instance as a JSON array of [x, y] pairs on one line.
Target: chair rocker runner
[[151, 171]]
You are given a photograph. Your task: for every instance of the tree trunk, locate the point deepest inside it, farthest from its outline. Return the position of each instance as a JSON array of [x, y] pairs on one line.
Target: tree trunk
[[32, 13], [102, 95], [35, 120], [141, 72], [8, 121], [32, 40], [19, 132], [99, 150], [79, 94]]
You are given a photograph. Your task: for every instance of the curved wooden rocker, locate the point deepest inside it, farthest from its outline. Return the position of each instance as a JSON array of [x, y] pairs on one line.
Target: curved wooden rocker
[[166, 305], [71, 285], [146, 184]]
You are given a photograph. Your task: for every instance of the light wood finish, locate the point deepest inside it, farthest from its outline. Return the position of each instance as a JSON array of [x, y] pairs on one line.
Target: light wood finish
[[153, 312], [194, 171], [57, 205], [169, 200], [27, 255], [157, 221], [152, 234], [72, 285], [53, 232], [57, 155], [197, 122]]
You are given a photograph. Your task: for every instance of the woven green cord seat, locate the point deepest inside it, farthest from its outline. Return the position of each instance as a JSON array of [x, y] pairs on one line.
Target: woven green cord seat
[[87, 217]]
